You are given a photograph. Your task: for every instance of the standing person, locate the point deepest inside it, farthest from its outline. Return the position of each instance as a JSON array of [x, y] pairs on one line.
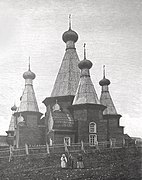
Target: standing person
[[70, 161], [63, 161], [80, 161]]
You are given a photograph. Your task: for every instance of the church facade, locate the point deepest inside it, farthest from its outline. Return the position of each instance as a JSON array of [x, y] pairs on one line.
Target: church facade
[[74, 113]]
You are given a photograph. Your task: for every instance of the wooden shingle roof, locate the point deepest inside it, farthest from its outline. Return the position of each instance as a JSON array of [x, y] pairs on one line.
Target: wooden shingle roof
[[68, 76]]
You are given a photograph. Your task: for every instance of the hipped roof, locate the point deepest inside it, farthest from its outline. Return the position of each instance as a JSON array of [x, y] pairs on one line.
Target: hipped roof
[[106, 100], [68, 76], [28, 100], [86, 92]]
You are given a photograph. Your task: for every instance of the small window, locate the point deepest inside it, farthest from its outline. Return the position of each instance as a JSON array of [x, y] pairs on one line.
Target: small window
[[92, 139], [92, 127], [67, 141]]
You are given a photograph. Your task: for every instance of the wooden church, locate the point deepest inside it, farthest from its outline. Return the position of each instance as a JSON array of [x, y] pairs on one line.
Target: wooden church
[[74, 113]]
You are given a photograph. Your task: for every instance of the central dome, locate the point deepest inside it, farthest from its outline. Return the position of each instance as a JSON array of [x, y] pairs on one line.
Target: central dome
[[70, 35], [29, 75]]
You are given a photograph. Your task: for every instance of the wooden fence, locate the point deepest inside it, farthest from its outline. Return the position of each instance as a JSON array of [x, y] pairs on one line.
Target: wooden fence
[[58, 148]]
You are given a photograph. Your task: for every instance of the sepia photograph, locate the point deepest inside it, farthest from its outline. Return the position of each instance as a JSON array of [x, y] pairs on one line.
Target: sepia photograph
[[70, 90]]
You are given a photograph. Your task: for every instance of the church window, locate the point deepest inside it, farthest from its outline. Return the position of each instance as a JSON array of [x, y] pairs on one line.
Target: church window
[[92, 127], [92, 139], [67, 141]]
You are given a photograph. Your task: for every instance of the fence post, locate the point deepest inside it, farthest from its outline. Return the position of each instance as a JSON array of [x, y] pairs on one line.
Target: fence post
[[10, 152], [82, 146], [51, 142], [26, 149], [47, 147], [110, 143]]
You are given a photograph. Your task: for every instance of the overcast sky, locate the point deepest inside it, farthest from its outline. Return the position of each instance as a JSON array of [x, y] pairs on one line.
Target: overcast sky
[[112, 30]]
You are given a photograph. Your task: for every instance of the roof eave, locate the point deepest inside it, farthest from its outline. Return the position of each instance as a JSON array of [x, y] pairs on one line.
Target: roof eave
[[87, 105], [48, 100]]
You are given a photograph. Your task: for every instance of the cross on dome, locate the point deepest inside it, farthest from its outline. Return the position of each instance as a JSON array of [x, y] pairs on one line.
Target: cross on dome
[[69, 21], [70, 35], [85, 64], [29, 63], [104, 81]]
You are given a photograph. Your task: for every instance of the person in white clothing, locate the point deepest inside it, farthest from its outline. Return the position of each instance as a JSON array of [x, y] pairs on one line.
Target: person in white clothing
[[63, 161]]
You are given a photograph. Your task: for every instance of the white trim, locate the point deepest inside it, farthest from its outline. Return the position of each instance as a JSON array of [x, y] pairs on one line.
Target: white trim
[[93, 124]]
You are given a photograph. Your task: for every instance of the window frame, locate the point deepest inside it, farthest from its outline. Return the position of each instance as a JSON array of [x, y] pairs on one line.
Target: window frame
[[94, 127], [68, 144], [94, 142]]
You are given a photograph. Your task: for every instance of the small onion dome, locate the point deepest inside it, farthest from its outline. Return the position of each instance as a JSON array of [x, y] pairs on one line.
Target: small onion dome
[[70, 35], [29, 75], [56, 107], [104, 82], [85, 64], [14, 108]]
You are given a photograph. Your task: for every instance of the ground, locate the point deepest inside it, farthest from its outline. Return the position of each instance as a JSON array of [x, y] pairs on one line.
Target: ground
[[118, 164]]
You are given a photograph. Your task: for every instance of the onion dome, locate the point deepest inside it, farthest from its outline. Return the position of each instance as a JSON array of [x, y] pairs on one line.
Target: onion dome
[[104, 81], [29, 74], [70, 35], [105, 98], [14, 108], [85, 64]]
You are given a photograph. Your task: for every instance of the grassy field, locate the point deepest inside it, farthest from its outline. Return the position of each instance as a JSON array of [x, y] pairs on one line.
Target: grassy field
[[109, 164]]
